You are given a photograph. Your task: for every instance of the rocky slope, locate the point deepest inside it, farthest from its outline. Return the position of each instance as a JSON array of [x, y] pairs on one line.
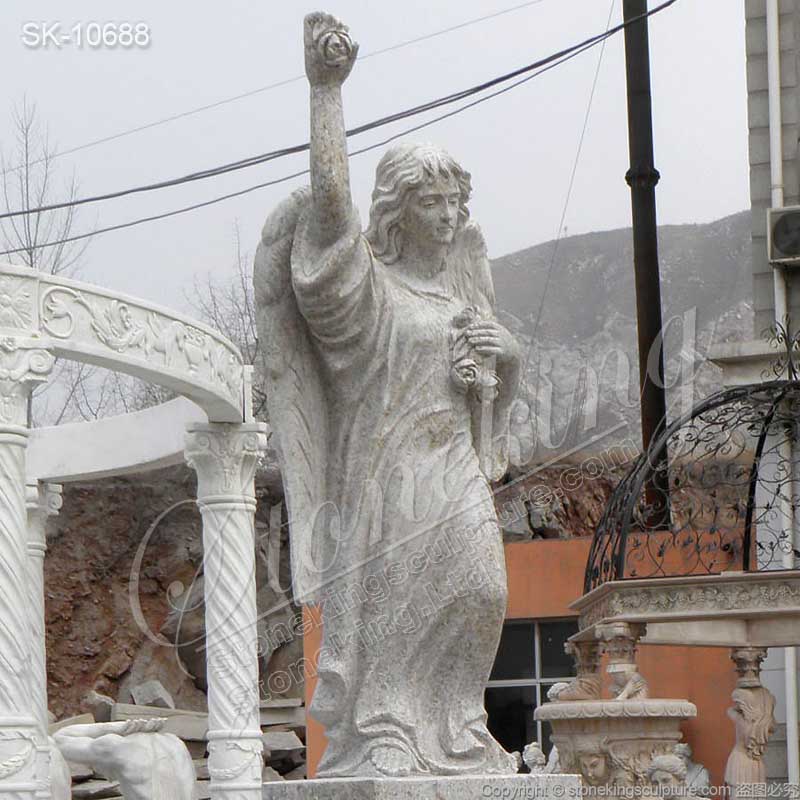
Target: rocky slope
[[573, 306], [123, 577]]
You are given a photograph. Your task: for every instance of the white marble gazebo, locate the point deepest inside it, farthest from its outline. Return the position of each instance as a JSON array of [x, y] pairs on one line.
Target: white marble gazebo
[[43, 318]]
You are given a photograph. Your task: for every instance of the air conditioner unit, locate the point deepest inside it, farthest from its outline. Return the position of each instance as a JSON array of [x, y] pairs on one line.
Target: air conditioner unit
[[783, 236]]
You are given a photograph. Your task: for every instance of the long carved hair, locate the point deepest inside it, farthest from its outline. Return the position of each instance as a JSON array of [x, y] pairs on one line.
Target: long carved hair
[[403, 168], [756, 705]]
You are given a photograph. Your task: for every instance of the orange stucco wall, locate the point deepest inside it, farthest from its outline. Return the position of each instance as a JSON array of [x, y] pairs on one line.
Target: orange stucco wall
[[544, 577], [315, 732]]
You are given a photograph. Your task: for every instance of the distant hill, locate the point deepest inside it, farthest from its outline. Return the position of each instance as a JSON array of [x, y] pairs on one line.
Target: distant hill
[[583, 359]]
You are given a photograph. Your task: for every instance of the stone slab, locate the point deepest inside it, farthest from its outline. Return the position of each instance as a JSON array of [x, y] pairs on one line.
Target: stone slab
[[473, 787], [152, 693], [281, 740], [95, 790]]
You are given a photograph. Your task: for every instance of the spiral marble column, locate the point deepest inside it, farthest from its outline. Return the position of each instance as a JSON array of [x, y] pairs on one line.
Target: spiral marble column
[[43, 501], [224, 457], [23, 363]]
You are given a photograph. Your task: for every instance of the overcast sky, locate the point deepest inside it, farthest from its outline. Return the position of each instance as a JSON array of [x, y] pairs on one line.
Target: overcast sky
[[520, 147]]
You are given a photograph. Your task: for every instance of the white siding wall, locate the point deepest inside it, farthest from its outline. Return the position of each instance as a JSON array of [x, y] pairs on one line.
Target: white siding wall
[[758, 120]]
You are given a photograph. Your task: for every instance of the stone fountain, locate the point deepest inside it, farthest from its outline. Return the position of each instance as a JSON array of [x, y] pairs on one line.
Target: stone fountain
[[611, 741]]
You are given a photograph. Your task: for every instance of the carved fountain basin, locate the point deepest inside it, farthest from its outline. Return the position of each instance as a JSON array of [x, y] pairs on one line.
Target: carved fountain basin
[[611, 742]]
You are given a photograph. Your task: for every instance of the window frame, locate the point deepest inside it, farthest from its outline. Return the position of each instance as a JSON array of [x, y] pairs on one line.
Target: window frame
[[537, 681]]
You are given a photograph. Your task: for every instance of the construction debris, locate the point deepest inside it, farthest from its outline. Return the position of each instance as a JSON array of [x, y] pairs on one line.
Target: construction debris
[[152, 693]]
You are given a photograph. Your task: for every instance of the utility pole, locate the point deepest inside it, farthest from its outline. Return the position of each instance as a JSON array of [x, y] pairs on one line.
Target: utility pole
[[642, 177]]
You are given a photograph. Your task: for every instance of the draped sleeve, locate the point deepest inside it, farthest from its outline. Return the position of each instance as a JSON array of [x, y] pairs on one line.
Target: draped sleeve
[[339, 290]]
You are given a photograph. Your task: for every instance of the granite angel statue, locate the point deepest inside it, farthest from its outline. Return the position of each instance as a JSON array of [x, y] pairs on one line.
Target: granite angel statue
[[389, 389]]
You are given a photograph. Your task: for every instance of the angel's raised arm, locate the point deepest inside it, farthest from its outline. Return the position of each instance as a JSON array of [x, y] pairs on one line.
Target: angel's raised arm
[[329, 55]]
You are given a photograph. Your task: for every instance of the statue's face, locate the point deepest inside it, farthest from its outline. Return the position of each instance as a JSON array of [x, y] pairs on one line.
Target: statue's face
[[664, 780], [431, 212], [533, 755], [593, 768]]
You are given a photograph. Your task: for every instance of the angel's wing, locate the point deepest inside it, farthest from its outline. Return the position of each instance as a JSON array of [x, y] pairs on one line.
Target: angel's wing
[[295, 396], [469, 270], [471, 281]]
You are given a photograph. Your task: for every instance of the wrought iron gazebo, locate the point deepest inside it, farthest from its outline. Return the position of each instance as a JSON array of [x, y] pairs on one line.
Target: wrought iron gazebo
[[729, 492]]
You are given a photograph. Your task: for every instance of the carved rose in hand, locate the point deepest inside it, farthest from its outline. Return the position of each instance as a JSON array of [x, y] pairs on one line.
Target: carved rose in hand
[[330, 51], [465, 373], [466, 317], [335, 47]]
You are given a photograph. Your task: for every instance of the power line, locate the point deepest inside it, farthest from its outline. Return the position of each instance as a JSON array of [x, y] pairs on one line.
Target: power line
[[571, 178], [276, 85], [299, 148], [442, 32], [373, 146], [298, 174]]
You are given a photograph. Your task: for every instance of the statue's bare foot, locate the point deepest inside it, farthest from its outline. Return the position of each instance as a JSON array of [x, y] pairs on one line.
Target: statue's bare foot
[[391, 761]]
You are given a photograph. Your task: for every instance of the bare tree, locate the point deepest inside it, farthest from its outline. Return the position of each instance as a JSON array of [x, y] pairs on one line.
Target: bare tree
[[79, 391], [29, 182], [227, 304]]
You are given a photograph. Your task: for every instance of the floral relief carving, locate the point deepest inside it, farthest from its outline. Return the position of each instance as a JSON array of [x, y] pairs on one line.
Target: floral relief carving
[[16, 304], [723, 597], [141, 333], [20, 365]]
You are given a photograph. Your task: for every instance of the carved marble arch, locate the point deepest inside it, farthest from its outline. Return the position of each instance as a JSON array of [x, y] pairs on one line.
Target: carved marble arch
[[89, 324], [43, 317]]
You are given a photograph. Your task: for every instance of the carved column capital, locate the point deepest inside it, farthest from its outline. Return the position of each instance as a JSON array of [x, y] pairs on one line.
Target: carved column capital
[[42, 500], [587, 655], [620, 640], [747, 663], [23, 363], [619, 643], [586, 684], [224, 456]]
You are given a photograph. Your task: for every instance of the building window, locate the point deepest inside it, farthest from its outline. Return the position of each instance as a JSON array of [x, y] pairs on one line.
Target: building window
[[529, 661]]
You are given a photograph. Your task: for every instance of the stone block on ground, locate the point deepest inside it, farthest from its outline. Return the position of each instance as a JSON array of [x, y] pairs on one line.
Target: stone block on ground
[[473, 787], [202, 790], [279, 741], [287, 711], [79, 772], [268, 774], [201, 769], [159, 663], [152, 693], [95, 790], [99, 705], [297, 774], [197, 749]]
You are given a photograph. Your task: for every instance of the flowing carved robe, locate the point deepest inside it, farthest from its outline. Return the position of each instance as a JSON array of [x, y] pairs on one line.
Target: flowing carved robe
[[407, 555]]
